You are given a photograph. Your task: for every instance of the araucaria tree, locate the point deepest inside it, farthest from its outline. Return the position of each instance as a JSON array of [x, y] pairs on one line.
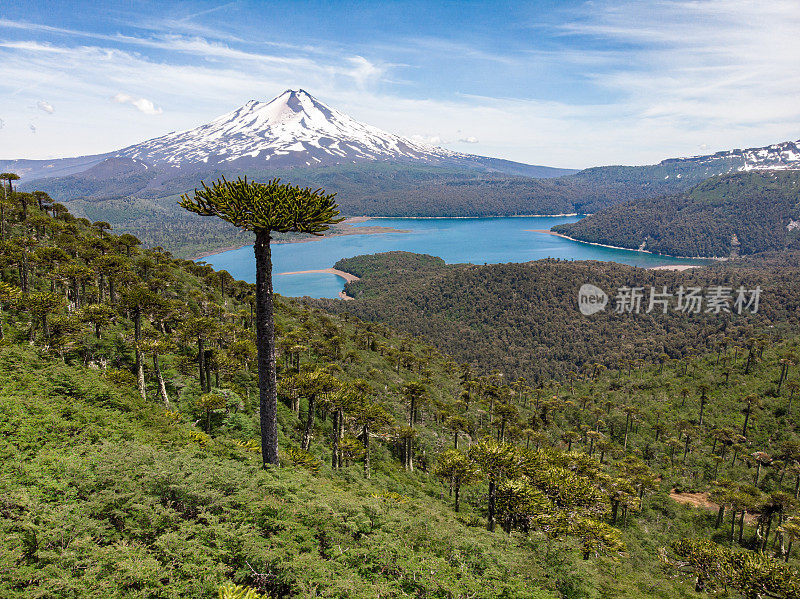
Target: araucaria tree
[[264, 209]]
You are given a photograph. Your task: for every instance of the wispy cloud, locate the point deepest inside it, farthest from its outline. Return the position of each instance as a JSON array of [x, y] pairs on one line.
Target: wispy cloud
[[639, 81], [45, 106], [722, 63], [141, 104]]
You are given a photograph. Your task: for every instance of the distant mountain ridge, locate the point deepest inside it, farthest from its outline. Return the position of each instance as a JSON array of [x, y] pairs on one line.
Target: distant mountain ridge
[[292, 130], [780, 156], [297, 137]]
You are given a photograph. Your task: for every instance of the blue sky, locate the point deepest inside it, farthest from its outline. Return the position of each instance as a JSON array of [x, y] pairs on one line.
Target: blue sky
[[570, 84]]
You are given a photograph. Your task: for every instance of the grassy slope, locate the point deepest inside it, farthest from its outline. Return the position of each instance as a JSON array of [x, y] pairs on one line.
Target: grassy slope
[[103, 493]]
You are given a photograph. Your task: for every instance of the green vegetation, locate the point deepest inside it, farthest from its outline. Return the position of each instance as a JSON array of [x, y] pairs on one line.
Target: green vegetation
[[130, 467], [262, 209], [739, 214], [144, 202], [522, 319]]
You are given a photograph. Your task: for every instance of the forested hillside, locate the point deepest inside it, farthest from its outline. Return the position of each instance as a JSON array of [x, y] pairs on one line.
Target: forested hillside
[[145, 204], [129, 447], [737, 214], [523, 319]]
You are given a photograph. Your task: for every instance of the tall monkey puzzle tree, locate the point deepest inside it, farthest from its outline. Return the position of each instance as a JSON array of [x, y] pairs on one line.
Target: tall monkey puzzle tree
[[264, 209]]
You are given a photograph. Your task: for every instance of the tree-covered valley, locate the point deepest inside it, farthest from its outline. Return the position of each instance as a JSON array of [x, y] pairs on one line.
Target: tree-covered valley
[[522, 319], [130, 440]]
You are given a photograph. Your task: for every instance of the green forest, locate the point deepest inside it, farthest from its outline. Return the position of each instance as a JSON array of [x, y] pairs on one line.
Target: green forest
[[409, 467], [522, 319], [144, 202], [725, 216]]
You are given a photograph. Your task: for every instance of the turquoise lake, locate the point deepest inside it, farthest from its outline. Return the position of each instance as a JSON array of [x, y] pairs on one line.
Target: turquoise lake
[[456, 240]]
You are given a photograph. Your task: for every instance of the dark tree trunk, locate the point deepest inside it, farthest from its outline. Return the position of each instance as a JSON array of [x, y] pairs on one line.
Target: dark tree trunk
[[207, 361], [766, 533], [365, 434], [201, 362], [24, 271], [265, 340], [490, 524], [335, 441]]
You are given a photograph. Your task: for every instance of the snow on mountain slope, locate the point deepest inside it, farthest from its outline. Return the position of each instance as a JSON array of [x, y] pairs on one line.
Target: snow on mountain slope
[[780, 156], [294, 129]]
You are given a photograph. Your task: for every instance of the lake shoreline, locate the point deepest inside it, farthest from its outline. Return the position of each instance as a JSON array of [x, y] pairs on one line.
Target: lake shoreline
[[348, 277], [472, 240], [477, 217], [616, 247], [353, 220]]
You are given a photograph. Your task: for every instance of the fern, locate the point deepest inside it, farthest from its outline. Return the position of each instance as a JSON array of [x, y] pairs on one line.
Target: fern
[[390, 497], [304, 459], [199, 437], [249, 445], [234, 591]]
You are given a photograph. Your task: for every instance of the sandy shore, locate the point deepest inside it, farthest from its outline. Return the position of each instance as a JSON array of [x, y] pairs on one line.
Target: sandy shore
[[616, 247], [678, 267], [331, 271]]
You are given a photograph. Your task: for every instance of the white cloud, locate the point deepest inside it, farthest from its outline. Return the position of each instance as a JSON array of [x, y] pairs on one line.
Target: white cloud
[[431, 140], [364, 71], [2, 123], [682, 77], [141, 104], [32, 127], [45, 106]]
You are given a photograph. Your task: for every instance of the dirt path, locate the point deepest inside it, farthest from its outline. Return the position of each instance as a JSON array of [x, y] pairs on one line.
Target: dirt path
[[701, 500]]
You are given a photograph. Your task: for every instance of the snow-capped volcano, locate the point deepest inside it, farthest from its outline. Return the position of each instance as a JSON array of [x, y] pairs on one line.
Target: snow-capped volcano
[[294, 129]]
